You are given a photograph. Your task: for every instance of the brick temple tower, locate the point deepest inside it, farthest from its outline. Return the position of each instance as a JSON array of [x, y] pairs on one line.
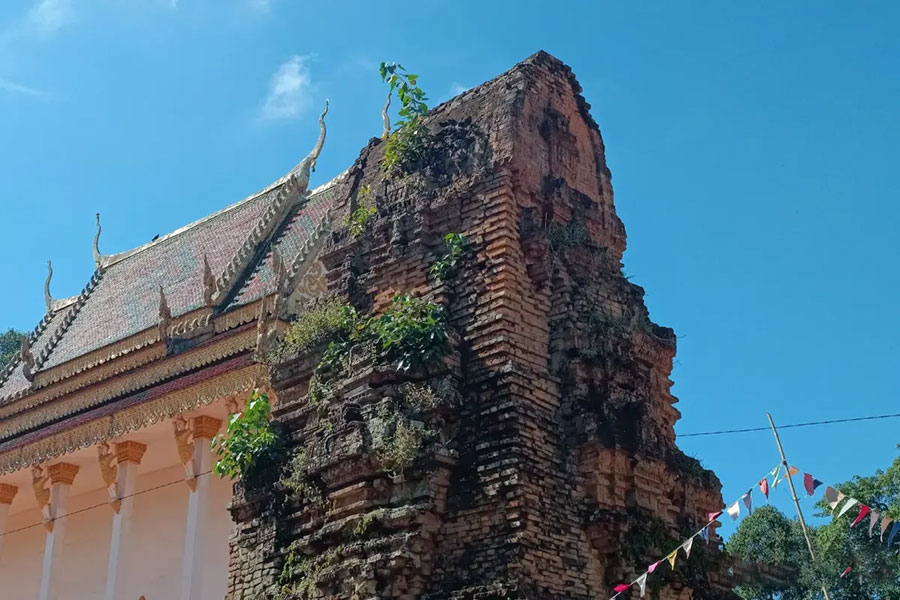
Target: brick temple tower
[[555, 472]]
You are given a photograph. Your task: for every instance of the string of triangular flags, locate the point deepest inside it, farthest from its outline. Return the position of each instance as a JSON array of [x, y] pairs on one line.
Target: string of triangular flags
[[833, 497], [733, 510]]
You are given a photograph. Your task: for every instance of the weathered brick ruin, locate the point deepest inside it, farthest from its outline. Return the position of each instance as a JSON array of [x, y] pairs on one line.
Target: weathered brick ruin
[[553, 471]]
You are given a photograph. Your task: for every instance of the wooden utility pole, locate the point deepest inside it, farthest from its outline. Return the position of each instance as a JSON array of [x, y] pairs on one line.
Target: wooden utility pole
[[787, 470]]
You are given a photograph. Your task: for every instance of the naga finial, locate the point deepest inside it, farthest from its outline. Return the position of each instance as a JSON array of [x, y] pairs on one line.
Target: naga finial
[[386, 130], [48, 299], [165, 315], [97, 255], [209, 283], [28, 362], [308, 164]]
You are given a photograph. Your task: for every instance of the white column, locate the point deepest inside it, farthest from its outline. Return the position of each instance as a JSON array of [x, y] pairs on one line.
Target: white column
[[7, 493], [61, 475], [128, 457], [203, 429]]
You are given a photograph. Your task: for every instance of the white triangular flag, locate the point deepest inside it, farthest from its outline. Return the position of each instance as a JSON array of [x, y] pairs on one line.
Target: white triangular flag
[[775, 480], [847, 506], [642, 583], [734, 511], [687, 547]]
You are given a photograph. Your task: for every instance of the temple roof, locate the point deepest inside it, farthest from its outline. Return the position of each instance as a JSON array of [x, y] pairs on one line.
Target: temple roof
[[123, 297]]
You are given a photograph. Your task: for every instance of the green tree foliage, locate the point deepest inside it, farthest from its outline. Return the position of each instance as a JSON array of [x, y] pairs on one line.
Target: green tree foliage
[[248, 441], [9, 345], [407, 147], [767, 536], [446, 266]]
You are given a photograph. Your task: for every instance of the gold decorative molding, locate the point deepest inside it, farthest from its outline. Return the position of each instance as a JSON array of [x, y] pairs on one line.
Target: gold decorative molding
[[143, 378], [237, 317], [83, 380], [131, 419], [88, 361], [41, 390], [205, 427], [62, 473], [130, 451], [7, 493]]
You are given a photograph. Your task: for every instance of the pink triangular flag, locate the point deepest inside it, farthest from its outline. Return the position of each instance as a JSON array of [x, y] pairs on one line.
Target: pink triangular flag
[[863, 511], [714, 516], [873, 518], [687, 547], [734, 511], [847, 506], [621, 587], [846, 572], [764, 487], [652, 567]]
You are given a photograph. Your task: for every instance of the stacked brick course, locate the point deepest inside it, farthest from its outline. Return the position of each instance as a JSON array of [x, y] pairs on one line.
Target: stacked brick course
[[556, 438]]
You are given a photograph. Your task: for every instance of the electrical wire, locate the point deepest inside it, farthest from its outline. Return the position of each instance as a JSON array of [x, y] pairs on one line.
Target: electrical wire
[[683, 435], [780, 427], [93, 506]]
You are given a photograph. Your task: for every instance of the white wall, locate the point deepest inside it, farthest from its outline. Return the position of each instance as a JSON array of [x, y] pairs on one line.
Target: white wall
[[151, 565]]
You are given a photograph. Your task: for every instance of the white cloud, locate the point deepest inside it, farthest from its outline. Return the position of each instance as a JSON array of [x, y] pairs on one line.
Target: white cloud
[[17, 88], [290, 90], [47, 16]]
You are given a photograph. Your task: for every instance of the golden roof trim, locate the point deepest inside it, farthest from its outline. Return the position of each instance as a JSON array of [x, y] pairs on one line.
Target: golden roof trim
[[131, 419], [151, 374]]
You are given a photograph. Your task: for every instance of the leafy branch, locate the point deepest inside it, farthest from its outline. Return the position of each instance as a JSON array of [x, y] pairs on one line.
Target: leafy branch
[[248, 440], [407, 147]]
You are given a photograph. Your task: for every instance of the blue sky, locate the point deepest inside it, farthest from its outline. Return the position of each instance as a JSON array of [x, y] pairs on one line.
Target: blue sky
[[753, 148]]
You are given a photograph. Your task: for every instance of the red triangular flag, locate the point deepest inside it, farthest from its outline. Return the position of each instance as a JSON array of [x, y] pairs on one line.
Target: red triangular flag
[[808, 483], [764, 487], [846, 572], [621, 587], [863, 511]]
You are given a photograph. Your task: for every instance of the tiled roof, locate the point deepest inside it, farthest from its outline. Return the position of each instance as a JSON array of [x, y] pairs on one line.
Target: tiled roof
[[125, 300], [298, 229], [16, 382]]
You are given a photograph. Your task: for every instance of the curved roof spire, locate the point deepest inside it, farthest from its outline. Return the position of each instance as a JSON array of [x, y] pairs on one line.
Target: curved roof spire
[[308, 164], [98, 258], [48, 299]]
